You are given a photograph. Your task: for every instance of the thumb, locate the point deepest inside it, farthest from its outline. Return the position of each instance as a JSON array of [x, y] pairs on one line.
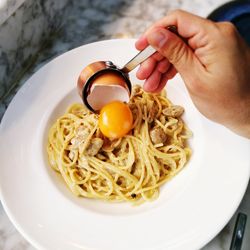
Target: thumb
[[174, 49]]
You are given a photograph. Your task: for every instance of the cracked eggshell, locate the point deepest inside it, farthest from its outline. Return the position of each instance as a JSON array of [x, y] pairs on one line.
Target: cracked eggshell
[[102, 85], [102, 94]]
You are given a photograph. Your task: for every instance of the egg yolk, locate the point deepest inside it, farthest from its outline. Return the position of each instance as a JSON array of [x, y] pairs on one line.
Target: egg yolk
[[115, 119]]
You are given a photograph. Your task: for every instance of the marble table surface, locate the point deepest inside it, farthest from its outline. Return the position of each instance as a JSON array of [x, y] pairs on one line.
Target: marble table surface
[[8, 7], [89, 21]]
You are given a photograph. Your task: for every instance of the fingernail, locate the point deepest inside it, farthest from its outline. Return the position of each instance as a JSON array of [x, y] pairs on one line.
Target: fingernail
[[157, 38]]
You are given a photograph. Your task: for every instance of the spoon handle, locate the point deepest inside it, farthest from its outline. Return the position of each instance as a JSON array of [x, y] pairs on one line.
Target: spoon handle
[[139, 58], [147, 52]]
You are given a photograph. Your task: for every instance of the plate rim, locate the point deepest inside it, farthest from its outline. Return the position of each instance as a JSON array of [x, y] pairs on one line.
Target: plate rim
[[5, 206]]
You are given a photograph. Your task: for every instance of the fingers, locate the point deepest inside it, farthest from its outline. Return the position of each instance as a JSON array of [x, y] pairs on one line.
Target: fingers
[[157, 80], [163, 66], [152, 82], [171, 72], [162, 83], [174, 49], [141, 43], [146, 68], [157, 56]]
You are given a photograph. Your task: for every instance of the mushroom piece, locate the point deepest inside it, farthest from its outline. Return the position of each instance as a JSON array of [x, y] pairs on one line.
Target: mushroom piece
[[94, 146], [157, 135], [173, 111], [152, 113], [81, 135]]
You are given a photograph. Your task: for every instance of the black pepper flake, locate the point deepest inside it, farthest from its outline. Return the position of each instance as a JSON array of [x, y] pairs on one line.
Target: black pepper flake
[[133, 195]]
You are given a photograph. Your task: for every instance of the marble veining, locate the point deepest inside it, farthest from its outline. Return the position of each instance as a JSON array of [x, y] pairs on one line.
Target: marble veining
[[89, 21], [21, 38], [8, 7]]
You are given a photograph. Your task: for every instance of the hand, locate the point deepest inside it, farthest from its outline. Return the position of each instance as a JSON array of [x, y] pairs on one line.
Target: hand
[[214, 64]]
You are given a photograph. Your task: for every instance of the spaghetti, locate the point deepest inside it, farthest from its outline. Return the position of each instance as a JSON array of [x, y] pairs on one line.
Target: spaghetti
[[131, 168]]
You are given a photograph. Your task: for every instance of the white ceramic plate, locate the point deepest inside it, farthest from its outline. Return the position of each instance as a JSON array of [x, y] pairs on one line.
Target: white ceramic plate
[[191, 210]]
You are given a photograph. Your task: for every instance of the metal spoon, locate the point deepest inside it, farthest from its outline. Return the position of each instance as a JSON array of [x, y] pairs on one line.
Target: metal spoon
[[94, 70], [138, 59], [146, 53]]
